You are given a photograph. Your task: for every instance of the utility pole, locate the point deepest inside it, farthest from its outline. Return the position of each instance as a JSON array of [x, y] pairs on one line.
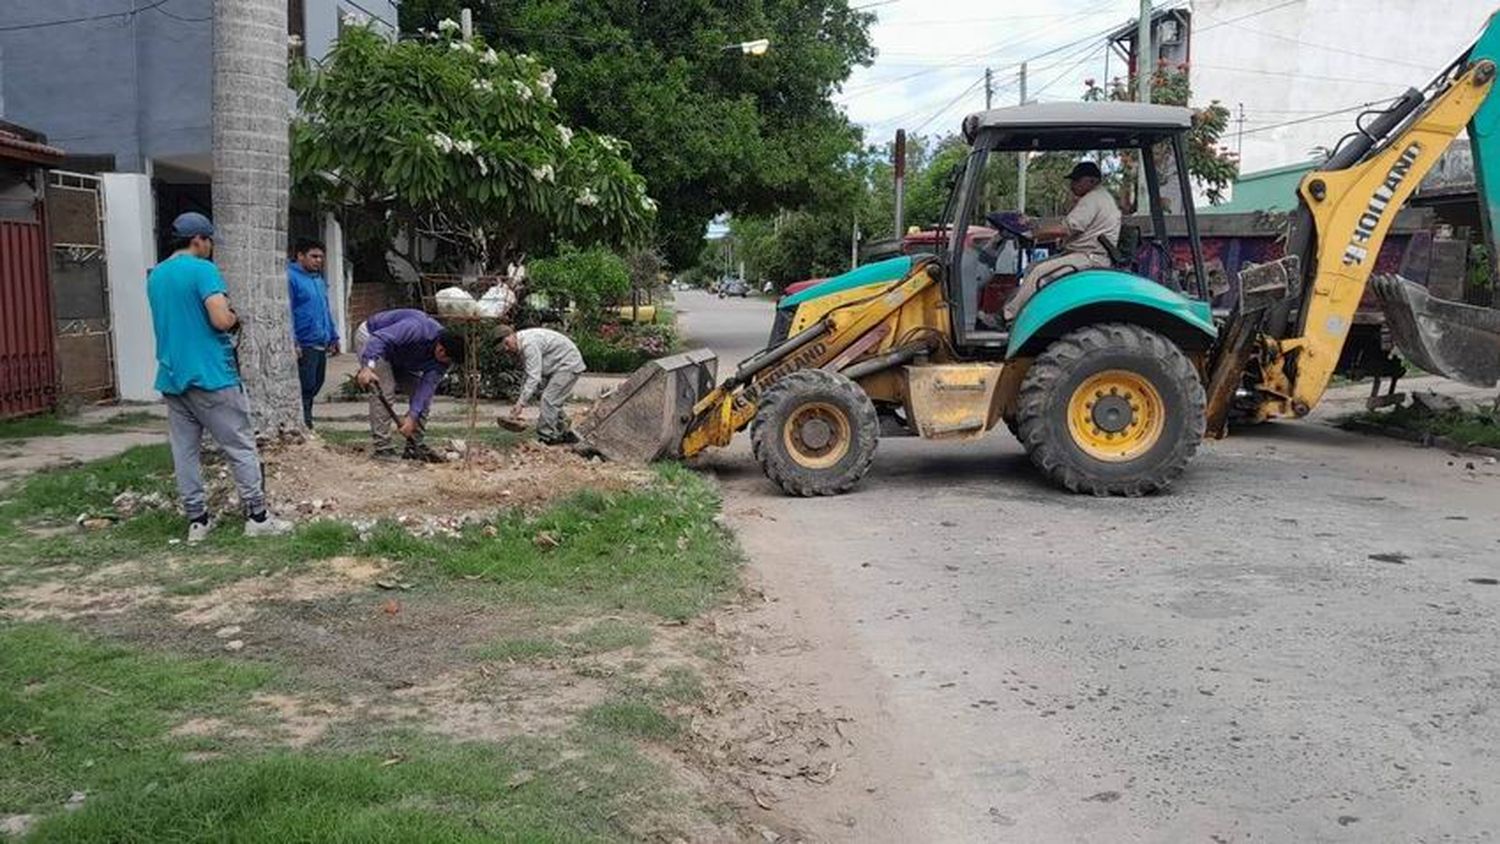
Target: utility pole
[[899, 165], [989, 89], [1021, 160], [854, 244], [1239, 141], [1145, 65]]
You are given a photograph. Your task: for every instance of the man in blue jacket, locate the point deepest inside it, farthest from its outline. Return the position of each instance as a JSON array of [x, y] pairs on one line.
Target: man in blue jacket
[[408, 351], [312, 321]]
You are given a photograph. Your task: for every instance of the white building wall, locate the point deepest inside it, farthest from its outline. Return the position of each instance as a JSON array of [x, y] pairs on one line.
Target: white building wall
[[129, 250], [322, 24], [1299, 61]]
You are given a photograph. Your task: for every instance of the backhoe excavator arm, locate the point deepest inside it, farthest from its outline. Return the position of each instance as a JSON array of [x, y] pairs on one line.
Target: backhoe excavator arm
[[1352, 210]]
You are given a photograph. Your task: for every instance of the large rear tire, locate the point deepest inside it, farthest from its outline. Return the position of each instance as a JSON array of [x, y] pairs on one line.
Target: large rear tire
[[815, 433], [1111, 409]]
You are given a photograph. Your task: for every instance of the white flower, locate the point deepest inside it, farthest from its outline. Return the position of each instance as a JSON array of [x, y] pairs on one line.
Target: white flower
[[489, 56], [648, 203], [543, 173], [588, 198], [441, 141], [549, 77], [609, 143], [465, 147], [353, 19], [522, 89], [565, 134], [448, 25], [522, 57], [484, 166], [484, 85], [432, 36], [294, 40]]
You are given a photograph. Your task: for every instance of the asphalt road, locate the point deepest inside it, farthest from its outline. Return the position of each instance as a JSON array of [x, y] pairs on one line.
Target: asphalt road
[[1298, 643]]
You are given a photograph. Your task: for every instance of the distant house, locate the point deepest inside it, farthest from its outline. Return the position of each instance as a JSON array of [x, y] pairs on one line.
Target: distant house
[[125, 86]]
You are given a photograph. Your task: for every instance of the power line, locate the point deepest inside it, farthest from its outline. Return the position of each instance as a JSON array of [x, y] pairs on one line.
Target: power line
[[1088, 56], [961, 94], [862, 90], [125, 16], [1383, 59], [162, 10], [356, 5], [1316, 117], [1294, 74]]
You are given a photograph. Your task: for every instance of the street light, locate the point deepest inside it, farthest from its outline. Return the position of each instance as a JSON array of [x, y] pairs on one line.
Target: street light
[[758, 47]]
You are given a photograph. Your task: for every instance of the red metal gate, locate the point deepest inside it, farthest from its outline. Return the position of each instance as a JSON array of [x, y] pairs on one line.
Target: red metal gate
[[28, 376]]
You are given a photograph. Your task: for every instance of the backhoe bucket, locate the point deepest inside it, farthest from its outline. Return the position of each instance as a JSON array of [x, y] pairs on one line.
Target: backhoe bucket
[[645, 418], [1446, 338]]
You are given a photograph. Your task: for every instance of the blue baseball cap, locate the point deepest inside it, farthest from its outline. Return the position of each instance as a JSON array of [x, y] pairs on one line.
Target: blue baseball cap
[[192, 224]]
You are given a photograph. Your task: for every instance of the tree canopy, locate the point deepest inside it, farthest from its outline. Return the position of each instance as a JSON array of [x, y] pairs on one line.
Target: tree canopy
[[710, 129], [454, 140]]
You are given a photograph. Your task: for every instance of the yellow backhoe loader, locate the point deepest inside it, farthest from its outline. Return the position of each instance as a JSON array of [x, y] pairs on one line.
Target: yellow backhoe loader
[[1109, 377]]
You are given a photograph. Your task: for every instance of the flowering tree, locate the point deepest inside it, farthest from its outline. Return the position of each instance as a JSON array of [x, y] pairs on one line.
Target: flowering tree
[[1212, 165], [449, 139]]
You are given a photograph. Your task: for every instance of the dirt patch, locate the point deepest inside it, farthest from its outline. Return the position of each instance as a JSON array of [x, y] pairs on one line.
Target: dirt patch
[[60, 600], [319, 478], [116, 589], [237, 602]]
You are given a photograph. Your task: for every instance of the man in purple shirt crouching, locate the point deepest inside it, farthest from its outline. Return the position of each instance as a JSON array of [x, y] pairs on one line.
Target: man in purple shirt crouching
[[403, 351]]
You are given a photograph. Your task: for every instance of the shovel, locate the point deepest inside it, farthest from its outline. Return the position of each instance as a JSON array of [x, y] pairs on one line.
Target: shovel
[[414, 450]]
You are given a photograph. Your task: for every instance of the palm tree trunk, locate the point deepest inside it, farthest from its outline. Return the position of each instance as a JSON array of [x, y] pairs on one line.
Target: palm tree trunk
[[252, 172]]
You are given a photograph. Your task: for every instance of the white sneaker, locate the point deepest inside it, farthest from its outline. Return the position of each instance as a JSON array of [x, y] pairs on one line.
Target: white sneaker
[[272, 526], [198, 531]]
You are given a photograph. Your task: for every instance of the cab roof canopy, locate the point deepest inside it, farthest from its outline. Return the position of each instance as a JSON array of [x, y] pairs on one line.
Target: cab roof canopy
[[1076, 126]]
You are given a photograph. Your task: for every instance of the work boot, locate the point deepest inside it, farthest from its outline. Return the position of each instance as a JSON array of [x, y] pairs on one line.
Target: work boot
[[388, 454]]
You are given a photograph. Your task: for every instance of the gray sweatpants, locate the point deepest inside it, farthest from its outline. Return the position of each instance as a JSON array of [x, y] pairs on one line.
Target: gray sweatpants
[[225, 414], [553, 422]]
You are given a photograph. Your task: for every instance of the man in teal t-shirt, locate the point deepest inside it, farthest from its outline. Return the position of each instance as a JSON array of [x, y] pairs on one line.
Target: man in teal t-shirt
[[197, 377]]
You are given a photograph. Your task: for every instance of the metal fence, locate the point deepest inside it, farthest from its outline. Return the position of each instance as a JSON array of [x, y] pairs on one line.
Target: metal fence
[[28, 363]]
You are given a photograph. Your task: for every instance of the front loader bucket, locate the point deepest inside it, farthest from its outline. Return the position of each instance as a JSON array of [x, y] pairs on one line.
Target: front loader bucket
[[1446, 338], [645, 418]]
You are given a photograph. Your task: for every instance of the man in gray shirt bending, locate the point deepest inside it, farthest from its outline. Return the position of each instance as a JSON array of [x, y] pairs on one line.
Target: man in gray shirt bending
[[552, 363]]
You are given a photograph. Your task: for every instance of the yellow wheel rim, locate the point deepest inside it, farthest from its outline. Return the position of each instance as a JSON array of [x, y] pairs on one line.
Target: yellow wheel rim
[[1116, 415], [816, 435]]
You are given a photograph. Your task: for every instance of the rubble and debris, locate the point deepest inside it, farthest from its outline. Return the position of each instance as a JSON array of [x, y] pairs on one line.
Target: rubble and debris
[[318, 480], [234, 645], [131, 503], [1434, 402]]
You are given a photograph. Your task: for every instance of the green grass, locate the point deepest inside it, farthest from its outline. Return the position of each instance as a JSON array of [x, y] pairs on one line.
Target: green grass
[[49, 425], [654, 550], [1481, 428], [76, 715], [80, 716], [523, 649], [681, 684], [611, 635], [630, 719]]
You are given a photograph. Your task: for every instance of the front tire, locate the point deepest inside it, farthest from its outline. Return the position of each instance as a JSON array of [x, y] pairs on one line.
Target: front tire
[[815, 433], [1112, 409]]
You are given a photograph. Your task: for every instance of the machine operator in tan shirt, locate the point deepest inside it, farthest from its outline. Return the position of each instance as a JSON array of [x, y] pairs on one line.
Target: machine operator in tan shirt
[[1094, 214]]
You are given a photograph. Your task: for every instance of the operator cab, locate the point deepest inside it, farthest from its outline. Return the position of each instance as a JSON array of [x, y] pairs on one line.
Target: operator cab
[[1055, 136]]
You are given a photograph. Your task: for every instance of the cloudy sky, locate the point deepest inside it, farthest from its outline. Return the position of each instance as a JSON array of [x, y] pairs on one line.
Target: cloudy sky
[[932, 55]]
